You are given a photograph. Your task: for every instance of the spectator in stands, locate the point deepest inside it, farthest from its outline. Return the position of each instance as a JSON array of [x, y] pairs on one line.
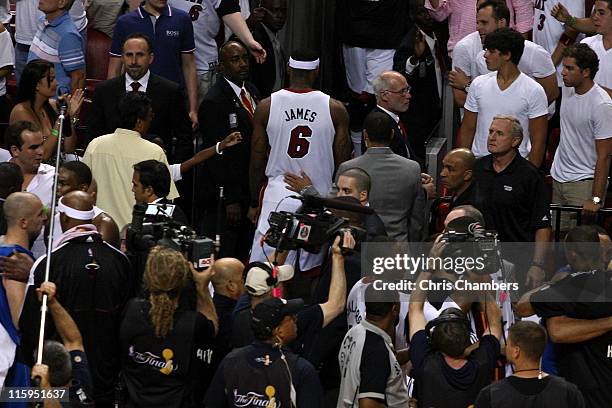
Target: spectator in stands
[[64, 364], [11, 180], [207, 21], [59, 42], [392, 98], [354, 183], [462, 21], [112, 156], [25, 217], [7, 61], [25, 142], [103, 14], [179, 341], [514, 195], [577, 312], [171, 33], [370, 34], [28, 17], [228, 107], [457, 176], [265, 373], [170, 119], [400, 204], [421, 57], [94, 281], [518, 95], [371, 374], [229, 286], [270, 76], [151, 185], [600, 43], [36, 94], [469, 61], [528, 384], [445, 376], [76, 176], [582, 160]]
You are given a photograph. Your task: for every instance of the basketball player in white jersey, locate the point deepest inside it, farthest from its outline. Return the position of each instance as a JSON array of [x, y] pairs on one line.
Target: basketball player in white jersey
[[305, 131]]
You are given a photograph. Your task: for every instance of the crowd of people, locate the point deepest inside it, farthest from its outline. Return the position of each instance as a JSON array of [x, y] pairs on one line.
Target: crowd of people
[[206, 126]]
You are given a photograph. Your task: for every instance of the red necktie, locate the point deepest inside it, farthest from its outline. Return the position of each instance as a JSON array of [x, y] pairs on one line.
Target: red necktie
[[246, 102], [403, 131]]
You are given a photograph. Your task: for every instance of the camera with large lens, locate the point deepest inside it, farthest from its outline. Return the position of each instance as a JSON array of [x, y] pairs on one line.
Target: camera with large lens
[[477, 242], [152, 226], [313, 225]]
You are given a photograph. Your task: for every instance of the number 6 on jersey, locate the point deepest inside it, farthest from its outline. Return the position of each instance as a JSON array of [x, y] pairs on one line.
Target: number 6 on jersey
[[299, 142]]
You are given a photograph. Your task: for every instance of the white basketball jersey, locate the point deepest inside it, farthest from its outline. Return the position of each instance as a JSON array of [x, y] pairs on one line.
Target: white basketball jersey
[[301, 136]]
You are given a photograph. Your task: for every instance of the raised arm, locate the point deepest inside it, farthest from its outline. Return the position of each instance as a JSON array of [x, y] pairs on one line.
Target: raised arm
[[205, 303], [336, 299], [236, 23], [563, 329]]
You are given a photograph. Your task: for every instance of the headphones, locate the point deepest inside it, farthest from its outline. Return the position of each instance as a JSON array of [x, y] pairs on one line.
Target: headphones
[[271, 281], [451, 315]]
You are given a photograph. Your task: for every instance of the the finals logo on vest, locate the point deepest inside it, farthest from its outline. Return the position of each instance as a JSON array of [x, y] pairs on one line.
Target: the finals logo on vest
[[253, 399], [164, 363]]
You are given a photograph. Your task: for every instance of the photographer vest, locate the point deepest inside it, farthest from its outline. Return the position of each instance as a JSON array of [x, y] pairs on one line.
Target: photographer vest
[[264, 385], [156, 371]]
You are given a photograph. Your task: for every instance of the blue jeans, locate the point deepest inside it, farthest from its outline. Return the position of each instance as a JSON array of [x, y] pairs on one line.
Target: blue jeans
[[21, 59]]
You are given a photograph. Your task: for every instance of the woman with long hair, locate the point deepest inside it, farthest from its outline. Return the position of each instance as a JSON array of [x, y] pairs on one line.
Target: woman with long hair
[[166, 350], [36, 93]]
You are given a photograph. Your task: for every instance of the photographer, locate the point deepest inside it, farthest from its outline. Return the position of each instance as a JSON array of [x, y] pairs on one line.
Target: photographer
[[151, 185], [167, 352], [445, 375]]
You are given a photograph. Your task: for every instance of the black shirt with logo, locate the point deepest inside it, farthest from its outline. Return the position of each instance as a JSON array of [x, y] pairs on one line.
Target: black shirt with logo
[[516, 202], [588, 364]]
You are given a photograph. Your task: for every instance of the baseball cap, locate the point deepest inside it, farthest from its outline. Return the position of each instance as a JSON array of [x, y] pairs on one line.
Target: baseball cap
[[258, 281], [270, 313]]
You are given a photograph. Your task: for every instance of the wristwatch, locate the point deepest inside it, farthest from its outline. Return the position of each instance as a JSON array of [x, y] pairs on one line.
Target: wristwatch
[[596, 200], [467, 87]]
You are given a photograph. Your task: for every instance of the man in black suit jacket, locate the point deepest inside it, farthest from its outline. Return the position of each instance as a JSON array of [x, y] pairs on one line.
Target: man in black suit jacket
[[393, 98], [226, 108], [270, 76], [171, 122]]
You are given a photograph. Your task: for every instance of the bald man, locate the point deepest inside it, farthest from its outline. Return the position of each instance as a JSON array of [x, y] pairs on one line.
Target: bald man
[[25, 216], [229, 286], [456, 176]]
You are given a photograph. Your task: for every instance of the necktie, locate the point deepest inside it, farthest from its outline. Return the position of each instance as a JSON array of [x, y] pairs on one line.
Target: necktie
[[135, 86], [246, 102], [402, 127]]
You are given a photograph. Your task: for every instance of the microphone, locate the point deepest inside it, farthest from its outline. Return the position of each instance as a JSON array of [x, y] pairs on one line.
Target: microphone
[[62, 98]]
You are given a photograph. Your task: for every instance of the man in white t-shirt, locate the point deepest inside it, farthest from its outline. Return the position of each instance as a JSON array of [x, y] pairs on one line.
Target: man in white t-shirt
[[505, 92], [582, 160], [207, 16], [469, 61], [602, 42]]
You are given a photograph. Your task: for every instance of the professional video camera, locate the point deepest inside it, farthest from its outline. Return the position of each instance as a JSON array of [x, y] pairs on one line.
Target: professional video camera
[[152, 226], [313, 224], [475, 243]]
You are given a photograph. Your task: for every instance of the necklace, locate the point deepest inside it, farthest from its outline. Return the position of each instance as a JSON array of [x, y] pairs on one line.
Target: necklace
[[527, 369]]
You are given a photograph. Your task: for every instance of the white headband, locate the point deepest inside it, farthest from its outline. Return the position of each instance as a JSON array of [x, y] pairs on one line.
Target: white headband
[[309, 65], [76, 214]]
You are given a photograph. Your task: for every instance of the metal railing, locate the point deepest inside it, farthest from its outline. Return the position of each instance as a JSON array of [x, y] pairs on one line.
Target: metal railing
[[558, 209]]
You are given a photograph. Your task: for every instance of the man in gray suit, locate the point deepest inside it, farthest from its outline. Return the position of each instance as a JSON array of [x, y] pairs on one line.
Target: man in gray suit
[[396, 192]]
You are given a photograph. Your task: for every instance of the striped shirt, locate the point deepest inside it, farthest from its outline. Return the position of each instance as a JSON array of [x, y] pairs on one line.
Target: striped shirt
[[60, 43]]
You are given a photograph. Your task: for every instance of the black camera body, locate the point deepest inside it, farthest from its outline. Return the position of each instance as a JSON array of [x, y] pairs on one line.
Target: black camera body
[[147, 231], [310, 227], [476, 243]]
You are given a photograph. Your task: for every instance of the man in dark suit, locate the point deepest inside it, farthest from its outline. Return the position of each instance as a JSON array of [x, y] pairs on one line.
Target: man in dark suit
[[170, 123], [393, 98], [270, 76], [151, 185], [229, 107], [396, 192]]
